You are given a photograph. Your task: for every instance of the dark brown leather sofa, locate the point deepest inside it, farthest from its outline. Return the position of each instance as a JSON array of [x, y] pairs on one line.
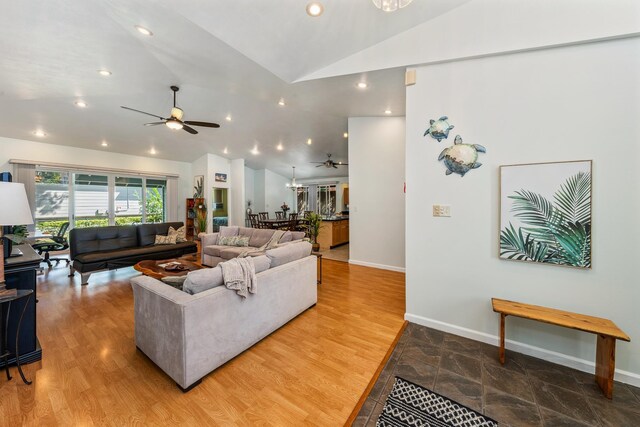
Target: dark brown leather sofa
[[107, 248]]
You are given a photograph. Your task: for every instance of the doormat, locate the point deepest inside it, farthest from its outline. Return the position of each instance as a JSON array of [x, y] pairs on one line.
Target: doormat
[[409, 404]]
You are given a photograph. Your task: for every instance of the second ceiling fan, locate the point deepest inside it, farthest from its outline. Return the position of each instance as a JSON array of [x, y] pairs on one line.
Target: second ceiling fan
[[330, 163], [174, 121]]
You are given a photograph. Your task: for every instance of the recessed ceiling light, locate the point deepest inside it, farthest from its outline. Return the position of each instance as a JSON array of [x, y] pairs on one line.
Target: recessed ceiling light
[[225, 151], [362, 85], [255, 151], [309, 141], [39, 133], [280, 147], [387, 111], [281, 102], [143, 30], [104, 144], [81, 104], [105, 73], [152, 151], [315, 9], [228, 118], [346, 135]]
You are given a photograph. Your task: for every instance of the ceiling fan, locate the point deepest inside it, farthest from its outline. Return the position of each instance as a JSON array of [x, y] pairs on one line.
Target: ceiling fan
[[175, 122], [330, 163]]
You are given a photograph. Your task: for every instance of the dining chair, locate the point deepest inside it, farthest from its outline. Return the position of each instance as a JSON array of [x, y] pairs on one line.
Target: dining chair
[[293, 221], [280, 215], [254, 220], [263, 215]]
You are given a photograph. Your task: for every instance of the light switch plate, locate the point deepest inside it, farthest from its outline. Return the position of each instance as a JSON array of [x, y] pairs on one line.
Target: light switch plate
[[442, 210]]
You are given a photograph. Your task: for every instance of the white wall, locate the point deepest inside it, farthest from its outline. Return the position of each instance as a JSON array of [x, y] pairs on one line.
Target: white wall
[[249, 187], [376, 183], [237, 195], [571, 103], [259, 190], [276, 192], [38, 151]]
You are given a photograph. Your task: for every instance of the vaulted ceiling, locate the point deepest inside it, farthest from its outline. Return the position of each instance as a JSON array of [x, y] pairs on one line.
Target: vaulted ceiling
[[236, 58]]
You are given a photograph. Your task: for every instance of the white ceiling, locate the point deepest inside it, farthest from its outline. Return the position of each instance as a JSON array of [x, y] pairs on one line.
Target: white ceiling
[[228, 57]]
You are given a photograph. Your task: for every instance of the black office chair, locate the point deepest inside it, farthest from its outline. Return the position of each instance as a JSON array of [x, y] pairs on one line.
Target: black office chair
[[53, 244]]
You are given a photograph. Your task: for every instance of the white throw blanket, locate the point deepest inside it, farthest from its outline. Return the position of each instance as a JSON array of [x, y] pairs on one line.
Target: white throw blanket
[[272, 243], [239, 274]]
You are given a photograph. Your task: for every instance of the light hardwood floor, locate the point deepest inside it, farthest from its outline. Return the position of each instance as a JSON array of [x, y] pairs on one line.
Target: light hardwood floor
[[312, 371]]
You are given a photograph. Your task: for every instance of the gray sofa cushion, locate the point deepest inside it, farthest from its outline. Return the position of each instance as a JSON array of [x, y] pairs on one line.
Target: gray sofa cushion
[[288, 253], [245, 231], [297, 235], [286, 237], [201, 280], [260, 237], [214, 250], [226, 231], [209, 278], [232, 251]]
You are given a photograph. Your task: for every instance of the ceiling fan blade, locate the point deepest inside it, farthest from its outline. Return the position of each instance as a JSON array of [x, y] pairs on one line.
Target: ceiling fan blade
[[319, 166], [335, 166], [343, 164], [138, 111], [204, 124], [320, 163], [154, 123], [191, 130]]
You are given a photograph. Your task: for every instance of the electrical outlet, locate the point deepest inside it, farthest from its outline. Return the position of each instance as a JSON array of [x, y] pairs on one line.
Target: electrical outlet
[[442, 210]]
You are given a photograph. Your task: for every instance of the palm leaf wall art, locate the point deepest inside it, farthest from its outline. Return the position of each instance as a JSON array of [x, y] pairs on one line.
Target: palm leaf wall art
[[545, 213]]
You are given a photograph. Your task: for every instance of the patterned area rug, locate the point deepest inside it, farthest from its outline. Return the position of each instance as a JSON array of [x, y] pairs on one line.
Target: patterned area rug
[[409, 404]]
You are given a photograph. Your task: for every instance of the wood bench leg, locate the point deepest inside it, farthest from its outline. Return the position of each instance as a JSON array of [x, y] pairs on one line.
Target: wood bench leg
[[501, 351], [605, 363]]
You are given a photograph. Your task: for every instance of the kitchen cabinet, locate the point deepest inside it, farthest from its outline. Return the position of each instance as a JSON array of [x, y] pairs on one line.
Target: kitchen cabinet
[[333, 232]]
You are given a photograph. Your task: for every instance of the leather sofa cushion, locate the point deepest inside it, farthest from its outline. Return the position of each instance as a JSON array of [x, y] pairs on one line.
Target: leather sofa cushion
[[147, 232], [288, 253], [128, 252], [260, 237], [94, 239]]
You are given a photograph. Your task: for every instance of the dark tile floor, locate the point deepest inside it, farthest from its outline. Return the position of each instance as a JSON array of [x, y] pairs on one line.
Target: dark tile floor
[[524, 392]]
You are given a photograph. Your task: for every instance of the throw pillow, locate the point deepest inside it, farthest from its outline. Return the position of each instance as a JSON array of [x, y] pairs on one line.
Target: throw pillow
[[166, 240], [181, 234], [240, 241]]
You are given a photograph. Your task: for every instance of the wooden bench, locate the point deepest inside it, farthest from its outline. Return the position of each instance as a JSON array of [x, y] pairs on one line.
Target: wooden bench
[[605, 329]]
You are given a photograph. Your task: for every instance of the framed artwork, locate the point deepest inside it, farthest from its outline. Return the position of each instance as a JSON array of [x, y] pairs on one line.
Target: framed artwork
[[198, 186], [221, 177], [545, 213]]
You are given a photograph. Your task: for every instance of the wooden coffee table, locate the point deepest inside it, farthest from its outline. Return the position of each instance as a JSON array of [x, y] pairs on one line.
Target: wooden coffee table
[[153, 269]]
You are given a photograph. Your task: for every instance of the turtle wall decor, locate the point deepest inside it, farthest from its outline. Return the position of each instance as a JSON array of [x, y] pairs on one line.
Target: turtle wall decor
[[439, 129], [461, 158]]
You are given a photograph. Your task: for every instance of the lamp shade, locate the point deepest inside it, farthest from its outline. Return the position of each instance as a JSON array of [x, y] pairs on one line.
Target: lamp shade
[[14, 206]]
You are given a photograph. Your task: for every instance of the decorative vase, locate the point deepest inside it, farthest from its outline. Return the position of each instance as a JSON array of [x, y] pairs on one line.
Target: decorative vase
[[249, 211]]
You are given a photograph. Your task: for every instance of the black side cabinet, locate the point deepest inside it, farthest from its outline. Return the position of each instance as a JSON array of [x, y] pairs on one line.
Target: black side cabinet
[[20, 273]]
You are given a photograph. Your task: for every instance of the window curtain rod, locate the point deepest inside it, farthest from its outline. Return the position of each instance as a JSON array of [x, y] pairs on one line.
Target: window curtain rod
[[93, 169]]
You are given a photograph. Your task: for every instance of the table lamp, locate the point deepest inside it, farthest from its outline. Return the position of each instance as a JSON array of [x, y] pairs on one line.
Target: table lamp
[[14, 210]]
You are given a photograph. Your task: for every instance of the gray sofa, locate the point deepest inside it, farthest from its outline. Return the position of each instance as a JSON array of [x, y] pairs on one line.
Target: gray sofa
[[212, 253], [188, 335]]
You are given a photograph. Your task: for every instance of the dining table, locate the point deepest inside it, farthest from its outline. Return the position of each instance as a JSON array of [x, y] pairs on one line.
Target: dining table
[[277, 224]]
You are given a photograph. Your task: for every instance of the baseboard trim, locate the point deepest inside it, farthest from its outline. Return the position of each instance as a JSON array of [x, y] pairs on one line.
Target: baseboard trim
[[375, 265], [541, 353]]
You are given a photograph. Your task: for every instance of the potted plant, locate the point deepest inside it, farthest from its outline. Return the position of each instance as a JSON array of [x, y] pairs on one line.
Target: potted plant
[[313, 229], [285, 208], [201, 220]]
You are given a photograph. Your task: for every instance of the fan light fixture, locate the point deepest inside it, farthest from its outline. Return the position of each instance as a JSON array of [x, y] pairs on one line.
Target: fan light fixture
[[391, 5], [293, 185], [173, 124]]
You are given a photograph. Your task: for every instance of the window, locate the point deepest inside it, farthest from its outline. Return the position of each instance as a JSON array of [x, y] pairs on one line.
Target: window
[[52, 201], [155, 200], [302, 199], [92, 200], [326, 199]]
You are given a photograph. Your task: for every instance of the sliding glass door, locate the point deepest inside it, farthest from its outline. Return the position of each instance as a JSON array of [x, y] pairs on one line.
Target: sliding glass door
[[93, 200], [91, 206]]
